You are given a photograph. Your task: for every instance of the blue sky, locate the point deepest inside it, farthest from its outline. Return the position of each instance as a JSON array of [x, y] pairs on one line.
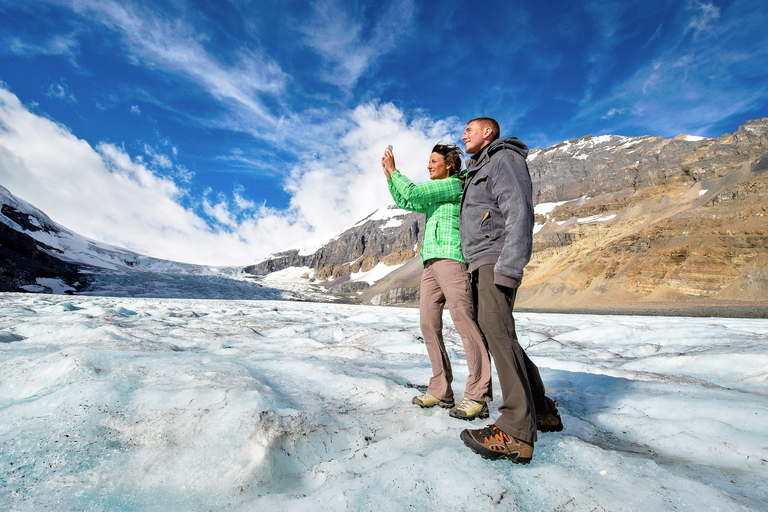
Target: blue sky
[[219, 132]]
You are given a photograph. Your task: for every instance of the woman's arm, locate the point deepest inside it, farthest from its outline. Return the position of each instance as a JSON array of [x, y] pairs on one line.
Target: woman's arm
[[447, 190]]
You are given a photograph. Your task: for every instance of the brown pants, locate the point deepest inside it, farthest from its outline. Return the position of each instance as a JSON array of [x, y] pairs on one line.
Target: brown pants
[[446, 281], [522, 390]]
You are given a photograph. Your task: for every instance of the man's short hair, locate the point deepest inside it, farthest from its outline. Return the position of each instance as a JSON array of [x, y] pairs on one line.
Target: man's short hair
[[487, 122]]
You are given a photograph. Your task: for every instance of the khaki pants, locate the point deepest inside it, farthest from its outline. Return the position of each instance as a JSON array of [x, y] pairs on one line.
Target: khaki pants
[[446, 281], [522, 390]]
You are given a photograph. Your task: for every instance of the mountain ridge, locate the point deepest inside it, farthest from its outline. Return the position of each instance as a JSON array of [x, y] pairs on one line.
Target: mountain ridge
[[643, 222], [622, 223]]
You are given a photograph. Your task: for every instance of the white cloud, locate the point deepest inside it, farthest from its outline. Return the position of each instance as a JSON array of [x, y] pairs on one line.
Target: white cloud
[[336, 191], [350, 47], [135, 110], [613, 112], [61, 91], [105, 194], [57, 45], [705, 14], [693, 83], [175, 47], [157, 160]]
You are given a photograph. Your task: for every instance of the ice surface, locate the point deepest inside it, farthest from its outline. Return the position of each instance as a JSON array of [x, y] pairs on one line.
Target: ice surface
[[110, 403]]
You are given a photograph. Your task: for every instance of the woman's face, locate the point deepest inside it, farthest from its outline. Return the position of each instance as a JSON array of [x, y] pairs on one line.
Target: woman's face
[[437, 168]]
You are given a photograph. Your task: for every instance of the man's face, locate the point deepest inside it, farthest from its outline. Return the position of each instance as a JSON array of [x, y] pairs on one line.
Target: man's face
[[473, 138]]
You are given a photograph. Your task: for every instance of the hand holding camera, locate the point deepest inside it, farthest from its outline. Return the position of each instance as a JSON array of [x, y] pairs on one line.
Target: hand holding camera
[[388, 162]]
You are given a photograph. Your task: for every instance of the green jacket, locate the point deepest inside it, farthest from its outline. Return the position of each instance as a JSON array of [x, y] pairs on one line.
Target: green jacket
[[439, 199]]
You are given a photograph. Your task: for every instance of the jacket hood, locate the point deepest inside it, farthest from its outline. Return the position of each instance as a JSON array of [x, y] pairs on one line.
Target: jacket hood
[[511, 143]]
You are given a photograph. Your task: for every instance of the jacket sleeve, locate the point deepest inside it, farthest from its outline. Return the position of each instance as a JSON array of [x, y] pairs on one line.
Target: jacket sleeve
[[513, 191], [417, 198]]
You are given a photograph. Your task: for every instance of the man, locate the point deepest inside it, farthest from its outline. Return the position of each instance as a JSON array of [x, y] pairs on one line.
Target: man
[[496, 227]]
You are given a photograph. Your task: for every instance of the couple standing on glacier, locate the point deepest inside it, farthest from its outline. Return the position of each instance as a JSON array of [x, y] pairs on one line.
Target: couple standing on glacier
[[477, 240]]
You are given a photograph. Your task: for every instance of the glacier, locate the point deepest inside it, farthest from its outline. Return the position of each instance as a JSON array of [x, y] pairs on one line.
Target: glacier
[[139, 403]]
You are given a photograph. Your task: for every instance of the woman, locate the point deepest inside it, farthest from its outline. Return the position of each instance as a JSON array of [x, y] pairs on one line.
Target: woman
[[444, 280]]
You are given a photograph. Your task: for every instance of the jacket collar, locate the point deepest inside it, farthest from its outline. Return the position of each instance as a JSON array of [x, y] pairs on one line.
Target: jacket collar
[[483, 156], [479, 159]]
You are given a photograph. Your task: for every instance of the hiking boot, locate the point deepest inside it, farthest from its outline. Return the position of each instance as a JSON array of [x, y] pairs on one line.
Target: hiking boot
[[427, 400], [469, 409], [549, 421], [491, 443]]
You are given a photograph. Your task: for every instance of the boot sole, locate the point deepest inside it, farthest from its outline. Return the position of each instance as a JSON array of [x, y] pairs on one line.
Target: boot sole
[[482, 415], [444, 405], [550, 428]]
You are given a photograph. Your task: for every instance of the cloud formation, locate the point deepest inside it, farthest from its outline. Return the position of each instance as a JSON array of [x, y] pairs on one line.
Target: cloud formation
[[219, 132], [700, 77], [349, 46], [105, 194]]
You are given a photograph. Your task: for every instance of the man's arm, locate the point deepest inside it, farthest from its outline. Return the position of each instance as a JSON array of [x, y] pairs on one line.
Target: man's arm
[[512, 189]]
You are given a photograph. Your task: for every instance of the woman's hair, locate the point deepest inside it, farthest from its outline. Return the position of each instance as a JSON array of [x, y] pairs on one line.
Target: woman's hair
[[451, 155]]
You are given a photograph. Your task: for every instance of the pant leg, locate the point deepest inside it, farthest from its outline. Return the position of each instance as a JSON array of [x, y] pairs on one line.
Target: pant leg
[[431, 303], [494, 310], [454, 282], [541, 402]]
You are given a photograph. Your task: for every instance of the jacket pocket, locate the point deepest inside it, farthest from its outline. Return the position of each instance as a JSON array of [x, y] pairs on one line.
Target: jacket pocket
[[486, 225]]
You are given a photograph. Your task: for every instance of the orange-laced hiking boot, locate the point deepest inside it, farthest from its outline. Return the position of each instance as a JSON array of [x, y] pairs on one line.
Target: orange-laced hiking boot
[[491, 443]]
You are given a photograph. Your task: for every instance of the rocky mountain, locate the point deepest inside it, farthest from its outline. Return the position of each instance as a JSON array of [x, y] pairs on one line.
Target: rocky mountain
[[622, 223], [389, 236]]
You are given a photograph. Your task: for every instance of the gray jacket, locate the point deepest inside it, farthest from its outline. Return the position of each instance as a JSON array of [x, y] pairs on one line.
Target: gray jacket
[[496, 219]]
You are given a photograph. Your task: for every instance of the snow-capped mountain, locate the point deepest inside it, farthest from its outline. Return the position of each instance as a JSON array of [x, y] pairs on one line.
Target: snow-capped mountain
[[382, 247], [39, 255]]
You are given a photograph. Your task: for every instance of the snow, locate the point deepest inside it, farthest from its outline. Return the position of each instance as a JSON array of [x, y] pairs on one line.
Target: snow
[[44, 284], [702, 192], [596, 218], [392, 223], [693, 138], [384, 214], [546, 208], [378, 272], [110, 403], [291, 274]]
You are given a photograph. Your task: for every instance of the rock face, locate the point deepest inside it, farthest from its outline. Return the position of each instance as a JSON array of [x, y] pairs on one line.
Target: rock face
[[391, 237], [684, 225], [633, 221], [593, 165]]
